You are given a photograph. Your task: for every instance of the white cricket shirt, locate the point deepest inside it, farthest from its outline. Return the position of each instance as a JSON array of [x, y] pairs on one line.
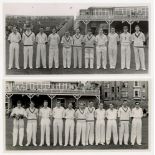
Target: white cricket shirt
[[31, 113], [41, 38], [125, 38], [28, 38], [45, 113], [53, 40], [100, 114], [137, 113], [138, 39], [111, 114], [69, 114], [14, 37], [101, 40], [77, 39], [124, 113], [90, 113], [58, 113]]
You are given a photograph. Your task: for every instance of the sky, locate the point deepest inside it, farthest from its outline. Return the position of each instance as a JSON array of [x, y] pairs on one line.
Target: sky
[[45, 9]]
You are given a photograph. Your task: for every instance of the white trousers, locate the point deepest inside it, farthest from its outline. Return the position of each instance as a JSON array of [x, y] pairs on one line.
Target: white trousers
[[111, 129], [57, 130], [100, 131], [53, 57], [14, 50], [67, 57], [41, 51], [69, 131], [101, 56], [89, 57], [28, 54], [90, 133], [139, 58], [112, 50], [136, 131], [124, 132], [81, 131], [31, 131], [125, 56], [77, 52], [18, 126], [45, 130]]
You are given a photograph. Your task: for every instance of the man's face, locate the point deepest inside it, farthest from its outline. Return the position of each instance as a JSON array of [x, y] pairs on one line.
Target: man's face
[[45, 104], [67, 34], [14, 29], [101, 106], [111, 106], [28, 29], [58, 104], [137, 29], [112, 30], [70, 106], [31, 104], [90, 104], [54, 31], [77, 31], [41, 30], [125, 30], [101, 31], [81, 106], [125, 103], [19, 104], [89, 32], [137, 105]]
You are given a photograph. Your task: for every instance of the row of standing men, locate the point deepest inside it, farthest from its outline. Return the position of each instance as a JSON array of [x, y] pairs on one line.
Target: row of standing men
[[89, 42], [89, 123]]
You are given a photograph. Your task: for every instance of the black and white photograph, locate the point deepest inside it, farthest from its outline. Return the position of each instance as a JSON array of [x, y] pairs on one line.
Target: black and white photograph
[[76, 39], [76, 115]]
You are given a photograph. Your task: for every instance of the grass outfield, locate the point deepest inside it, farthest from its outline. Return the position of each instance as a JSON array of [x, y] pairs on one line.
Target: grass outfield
[[106, 147], [61, 70]]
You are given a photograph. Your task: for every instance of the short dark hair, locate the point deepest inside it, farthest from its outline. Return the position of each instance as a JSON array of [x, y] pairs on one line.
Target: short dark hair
[[19, 102], [137, 26], [125, 27]]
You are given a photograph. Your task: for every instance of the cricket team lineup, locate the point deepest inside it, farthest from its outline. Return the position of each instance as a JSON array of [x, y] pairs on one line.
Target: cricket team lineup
[[91, 126], [102, 46]]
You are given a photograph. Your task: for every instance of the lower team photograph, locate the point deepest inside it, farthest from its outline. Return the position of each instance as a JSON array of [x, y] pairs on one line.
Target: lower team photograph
[[76, 115]]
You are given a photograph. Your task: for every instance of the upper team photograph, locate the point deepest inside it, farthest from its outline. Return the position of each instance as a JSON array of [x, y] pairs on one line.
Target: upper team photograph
[[82, 40]]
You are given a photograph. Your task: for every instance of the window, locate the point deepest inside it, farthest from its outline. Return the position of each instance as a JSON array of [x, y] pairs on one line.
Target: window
[[113, 89], [105, 94], [143, 85], [117, 89], [136, 83], [137, 93], [125, 84]]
